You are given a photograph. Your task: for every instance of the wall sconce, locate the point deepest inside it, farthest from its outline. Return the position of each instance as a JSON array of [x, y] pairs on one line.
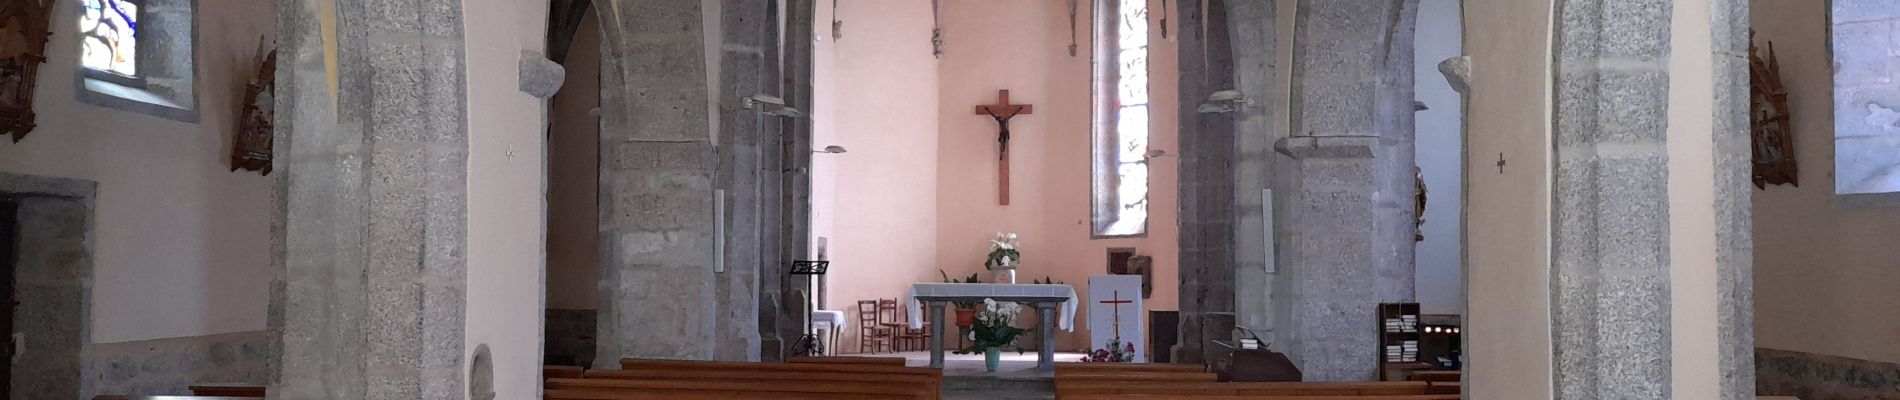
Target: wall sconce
[[833, 149], [769, 105], [1158, 153], [1224, 101]]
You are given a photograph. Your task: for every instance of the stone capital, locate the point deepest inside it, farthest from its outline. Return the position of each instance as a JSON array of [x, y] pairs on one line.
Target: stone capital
[[540, 76], [1305, 147]]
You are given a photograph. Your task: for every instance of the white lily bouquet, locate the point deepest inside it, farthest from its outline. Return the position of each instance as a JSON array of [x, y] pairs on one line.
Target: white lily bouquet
[[994, 327], [1003, 252]]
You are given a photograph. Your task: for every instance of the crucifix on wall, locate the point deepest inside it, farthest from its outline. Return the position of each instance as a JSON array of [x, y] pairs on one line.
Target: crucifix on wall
[[1002, 112]]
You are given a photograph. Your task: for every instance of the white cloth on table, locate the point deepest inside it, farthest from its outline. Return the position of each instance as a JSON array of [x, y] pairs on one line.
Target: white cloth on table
[[979, 291], [833, 318]]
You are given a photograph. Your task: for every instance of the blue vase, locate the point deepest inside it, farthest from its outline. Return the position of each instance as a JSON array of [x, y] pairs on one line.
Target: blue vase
[[991, 357]]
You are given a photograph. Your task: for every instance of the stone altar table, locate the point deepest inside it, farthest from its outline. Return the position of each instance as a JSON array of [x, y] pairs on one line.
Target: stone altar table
[[1045, 297]]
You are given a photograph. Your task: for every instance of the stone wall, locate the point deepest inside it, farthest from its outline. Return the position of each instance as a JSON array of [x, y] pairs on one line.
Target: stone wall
[[169, 366], [52, 281], [1823, 377]]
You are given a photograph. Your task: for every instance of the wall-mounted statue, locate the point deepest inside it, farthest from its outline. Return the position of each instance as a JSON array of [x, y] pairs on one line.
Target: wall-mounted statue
[[252, 148], [25, 26], [1769, 120]]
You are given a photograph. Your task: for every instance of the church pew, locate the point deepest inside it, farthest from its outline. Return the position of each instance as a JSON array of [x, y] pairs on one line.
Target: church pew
[[1082, 366], [1437, 376], [1140, 376], [1075, 388], [561, 371], [590, 395], [227, 389], [759, 377], [897, 361], [113, 397], [932, 377], [1250, 397], [778, 389]]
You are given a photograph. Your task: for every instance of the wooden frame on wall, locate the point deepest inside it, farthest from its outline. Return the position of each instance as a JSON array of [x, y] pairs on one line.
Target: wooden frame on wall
[[25, 27]]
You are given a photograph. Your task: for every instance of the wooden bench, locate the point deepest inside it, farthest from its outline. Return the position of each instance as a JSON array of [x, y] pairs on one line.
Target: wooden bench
[[1134, 376], [897, 361], [1438, 376], [1066, 389], [561, 371], [228, 390], [1082, 366], [576, 389], [1194, 397], [866, 378], [112, 397]]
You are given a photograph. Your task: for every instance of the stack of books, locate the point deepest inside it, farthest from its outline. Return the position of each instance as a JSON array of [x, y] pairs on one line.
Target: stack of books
[[1395, 353], [1409, 351], [1409, 323], [1250, 344]]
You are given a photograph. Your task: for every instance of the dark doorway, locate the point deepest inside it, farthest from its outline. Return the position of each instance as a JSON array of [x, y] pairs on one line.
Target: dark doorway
[[9, 238]]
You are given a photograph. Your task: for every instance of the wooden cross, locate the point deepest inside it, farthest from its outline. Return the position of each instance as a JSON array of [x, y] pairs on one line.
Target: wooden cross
[[1002, 111], [1118, 302]]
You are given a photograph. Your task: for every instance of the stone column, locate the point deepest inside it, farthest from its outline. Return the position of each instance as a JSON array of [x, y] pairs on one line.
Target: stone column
[[657, 173], [1253, 39], [1626, 224], [1207, 184], [1352, 232], [742, 24], [794, 195], [376, 208]]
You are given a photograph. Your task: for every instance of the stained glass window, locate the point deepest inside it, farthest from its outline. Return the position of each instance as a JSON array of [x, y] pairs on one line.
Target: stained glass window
[[110, 42], [1122, 118]]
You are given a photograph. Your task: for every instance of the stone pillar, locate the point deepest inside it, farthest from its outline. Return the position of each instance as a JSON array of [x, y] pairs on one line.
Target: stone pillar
[[1350, 213], [1631, 242], [1207, 184], [657, 174], [772, 264], [376, 200], [794, 195], [1252, 37], [742, 24]]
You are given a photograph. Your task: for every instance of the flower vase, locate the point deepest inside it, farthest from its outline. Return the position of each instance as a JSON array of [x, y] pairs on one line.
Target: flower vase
[[991, 357]]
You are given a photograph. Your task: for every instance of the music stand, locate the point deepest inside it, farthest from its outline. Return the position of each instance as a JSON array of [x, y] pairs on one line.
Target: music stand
[[813, 346]]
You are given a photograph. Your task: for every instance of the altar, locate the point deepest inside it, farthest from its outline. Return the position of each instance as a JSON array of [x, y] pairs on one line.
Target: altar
[[934, 297]]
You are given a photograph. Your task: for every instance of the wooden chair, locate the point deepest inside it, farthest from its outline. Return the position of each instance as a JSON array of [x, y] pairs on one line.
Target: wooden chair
[[871, 335], [911, 339], [892, 321]]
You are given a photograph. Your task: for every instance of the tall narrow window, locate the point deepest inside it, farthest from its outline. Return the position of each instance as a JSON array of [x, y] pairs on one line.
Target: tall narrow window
[[1120, 168], [1866, 99], [111, 37]]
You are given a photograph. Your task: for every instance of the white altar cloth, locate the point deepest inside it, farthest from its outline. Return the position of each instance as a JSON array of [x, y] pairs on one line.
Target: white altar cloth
[[979, 291]]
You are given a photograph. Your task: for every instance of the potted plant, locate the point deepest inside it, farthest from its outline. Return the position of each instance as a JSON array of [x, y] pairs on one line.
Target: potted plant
[[994, 328], [966, 309]]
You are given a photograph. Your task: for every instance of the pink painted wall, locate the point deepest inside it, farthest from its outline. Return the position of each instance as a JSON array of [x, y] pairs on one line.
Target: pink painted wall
[[917, 192], [1023, 47], [877, 205], [1825, 272], [181, 244]]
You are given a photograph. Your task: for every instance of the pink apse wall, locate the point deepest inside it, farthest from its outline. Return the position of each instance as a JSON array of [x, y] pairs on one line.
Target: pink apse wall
[[917, 192]]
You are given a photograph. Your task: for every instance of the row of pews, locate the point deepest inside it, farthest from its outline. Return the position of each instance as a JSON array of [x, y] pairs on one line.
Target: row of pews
[[843, 378], [1106, 381]]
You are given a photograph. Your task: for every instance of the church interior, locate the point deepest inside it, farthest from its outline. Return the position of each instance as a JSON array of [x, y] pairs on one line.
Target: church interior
[[955, 199]]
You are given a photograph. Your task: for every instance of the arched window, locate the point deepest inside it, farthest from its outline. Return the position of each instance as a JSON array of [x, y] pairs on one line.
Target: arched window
[[138, 56], [1121, 123]]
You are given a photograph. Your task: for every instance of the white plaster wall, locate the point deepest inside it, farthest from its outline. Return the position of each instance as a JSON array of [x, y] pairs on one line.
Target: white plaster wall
[[1507, 333], [1695, 361], [1440, 270], [506, 193], [181, 244], [1825, 273]]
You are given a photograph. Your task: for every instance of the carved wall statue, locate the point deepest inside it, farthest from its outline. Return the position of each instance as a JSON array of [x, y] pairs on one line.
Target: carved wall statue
[[252, 150], [1769, 121], [25, 26]]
